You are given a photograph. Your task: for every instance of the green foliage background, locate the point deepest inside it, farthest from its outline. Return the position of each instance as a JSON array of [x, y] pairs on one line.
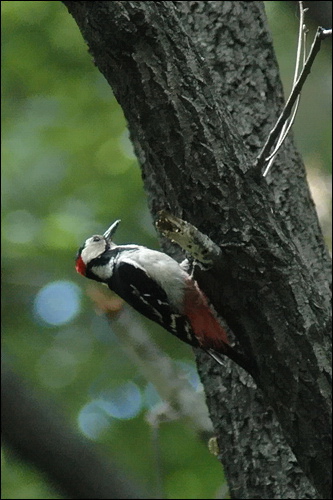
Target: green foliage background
[[68, 172]]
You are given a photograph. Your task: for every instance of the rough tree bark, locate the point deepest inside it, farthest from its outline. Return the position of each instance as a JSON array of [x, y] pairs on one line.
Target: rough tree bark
[[199, 86]]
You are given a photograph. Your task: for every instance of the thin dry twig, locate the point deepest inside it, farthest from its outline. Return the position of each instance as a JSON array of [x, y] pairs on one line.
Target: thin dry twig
[[301, 48], [284, 122]]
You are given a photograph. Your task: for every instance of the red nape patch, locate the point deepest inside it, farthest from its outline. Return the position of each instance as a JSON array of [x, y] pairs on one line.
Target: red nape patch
[[80, 266], [206, 326]]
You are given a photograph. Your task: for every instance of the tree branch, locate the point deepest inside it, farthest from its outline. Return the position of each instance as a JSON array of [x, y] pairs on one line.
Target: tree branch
[[35, 430]]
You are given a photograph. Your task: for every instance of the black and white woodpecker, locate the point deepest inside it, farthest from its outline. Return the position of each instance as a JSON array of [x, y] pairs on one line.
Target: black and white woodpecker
[[158, 287]]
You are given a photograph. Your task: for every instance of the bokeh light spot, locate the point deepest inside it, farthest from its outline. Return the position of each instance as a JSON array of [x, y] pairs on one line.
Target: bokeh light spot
[[58, 302], [122, 402], [20, 226], [57, 368], [191, 375], [93, 421], [151, 396]]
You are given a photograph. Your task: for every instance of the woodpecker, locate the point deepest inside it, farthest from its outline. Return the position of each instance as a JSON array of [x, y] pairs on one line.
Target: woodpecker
[[158, 287]]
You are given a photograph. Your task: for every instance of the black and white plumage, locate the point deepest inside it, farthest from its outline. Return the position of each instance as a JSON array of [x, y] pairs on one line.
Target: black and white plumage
[[158, 287], [124, 274]]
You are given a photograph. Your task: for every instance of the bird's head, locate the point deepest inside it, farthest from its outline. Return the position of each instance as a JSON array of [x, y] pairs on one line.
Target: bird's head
[[94, 248]]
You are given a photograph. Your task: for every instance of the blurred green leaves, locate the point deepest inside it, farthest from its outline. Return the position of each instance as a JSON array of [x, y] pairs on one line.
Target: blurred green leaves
[[68, 171]]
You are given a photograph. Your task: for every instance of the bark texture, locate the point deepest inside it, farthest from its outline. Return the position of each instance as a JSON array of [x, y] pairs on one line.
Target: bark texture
[[199, 86]]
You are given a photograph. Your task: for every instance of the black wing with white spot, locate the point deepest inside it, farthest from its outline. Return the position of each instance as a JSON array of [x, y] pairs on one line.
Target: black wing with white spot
[[134, 286]]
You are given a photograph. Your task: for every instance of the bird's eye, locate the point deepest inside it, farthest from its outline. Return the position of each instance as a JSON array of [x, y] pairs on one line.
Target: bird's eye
[[96, 238]]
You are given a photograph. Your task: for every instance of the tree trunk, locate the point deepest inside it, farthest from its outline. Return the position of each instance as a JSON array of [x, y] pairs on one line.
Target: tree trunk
[[199, 86]]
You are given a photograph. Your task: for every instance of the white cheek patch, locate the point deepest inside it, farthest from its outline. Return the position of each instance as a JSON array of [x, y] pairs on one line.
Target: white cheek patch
[[104, 272], [92, 249]]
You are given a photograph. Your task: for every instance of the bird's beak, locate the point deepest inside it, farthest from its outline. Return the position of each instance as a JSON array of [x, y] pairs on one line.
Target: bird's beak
[[112, 229]]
